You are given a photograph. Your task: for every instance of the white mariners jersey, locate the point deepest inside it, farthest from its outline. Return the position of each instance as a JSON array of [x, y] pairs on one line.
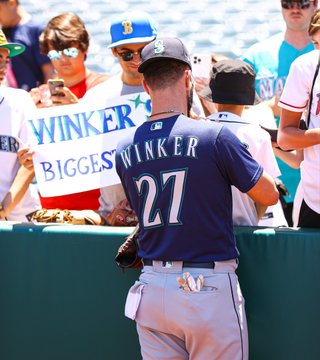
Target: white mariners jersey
[[258, 143], [16, 106], [295, 97]]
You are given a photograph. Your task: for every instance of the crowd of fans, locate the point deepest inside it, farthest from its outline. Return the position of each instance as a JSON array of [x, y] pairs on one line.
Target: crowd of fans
[[32, 54]]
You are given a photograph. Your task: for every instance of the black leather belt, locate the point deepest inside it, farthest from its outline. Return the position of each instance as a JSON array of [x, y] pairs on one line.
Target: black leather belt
[[205, 265]]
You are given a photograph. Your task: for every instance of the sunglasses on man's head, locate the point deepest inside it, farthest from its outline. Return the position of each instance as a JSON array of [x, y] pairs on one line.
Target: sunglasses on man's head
[[128, 55], [69, 52], [302, 4]]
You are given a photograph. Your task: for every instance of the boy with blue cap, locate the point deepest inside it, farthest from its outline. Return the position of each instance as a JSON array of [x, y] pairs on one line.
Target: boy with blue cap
[[130, 33]]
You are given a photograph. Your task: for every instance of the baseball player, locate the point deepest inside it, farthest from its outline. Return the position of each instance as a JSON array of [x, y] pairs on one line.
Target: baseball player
[[177, 174]]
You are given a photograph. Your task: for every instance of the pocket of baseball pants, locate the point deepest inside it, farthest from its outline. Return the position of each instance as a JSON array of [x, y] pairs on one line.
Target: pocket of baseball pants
[[133, 300]]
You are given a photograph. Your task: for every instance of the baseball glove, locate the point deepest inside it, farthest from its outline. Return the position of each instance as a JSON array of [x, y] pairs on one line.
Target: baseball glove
[[127, 256], [75, 217], [122, 215]]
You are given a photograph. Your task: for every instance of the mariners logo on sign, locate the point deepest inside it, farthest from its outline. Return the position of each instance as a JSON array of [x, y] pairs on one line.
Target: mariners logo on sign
[[159, 47]]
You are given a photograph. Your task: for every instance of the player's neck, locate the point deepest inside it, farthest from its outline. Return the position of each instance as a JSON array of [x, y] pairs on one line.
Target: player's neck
[[164, 113]]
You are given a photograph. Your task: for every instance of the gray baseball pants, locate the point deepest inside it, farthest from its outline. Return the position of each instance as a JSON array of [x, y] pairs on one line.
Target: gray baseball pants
[[174, 324]]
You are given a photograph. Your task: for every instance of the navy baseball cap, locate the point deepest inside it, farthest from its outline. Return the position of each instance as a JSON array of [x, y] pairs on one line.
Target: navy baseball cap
[[164, 49], [231, 82], [133, 27]]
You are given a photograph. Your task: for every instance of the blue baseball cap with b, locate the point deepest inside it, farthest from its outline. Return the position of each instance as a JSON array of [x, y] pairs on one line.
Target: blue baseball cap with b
[[133, 27]]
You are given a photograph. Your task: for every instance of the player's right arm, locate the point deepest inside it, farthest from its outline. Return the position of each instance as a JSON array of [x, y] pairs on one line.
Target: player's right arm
[[264, 192]]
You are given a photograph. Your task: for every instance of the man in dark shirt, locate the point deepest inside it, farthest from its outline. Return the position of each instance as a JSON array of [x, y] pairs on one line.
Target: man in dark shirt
[[31, 68]]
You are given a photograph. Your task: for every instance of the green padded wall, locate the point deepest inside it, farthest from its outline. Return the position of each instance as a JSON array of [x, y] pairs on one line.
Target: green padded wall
[[62, 297]]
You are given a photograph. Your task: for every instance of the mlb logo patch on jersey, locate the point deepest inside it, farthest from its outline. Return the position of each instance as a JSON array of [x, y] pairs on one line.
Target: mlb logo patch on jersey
[[156, 126]]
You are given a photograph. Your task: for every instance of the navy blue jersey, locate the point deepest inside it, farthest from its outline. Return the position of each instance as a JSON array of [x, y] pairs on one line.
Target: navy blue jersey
[[177, 174]]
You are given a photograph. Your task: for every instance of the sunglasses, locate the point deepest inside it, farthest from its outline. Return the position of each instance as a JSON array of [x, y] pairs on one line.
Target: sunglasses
[[69, 52], [302, 4], [128, 55]]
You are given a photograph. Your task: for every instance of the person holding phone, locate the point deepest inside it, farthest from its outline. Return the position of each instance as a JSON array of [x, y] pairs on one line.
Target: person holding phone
[[65, 40]]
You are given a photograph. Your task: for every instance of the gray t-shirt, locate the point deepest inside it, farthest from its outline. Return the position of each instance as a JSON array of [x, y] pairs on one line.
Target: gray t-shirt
[[111, 88]]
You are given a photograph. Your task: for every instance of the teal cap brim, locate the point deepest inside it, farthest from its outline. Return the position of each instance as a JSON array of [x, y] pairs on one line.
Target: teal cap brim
[[14, 49]]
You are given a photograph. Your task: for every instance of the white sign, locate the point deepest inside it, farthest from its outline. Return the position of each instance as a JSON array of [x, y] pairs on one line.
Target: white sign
[[75, 145]]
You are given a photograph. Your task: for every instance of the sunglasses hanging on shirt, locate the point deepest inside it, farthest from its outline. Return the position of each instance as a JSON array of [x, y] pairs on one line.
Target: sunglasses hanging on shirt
[[302, 4], [69, 52]]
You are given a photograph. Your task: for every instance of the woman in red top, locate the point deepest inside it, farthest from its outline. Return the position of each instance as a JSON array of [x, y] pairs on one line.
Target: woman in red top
[[66, 41]]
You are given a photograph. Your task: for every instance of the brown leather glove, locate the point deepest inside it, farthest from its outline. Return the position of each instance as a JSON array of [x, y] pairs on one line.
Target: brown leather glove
[[75, 217], [122, 215], [127, 256]]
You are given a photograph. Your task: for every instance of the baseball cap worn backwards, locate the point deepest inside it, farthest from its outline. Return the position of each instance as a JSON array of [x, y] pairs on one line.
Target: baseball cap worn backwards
[[14, 48], [132, 28], [231, 82], [164, 49]]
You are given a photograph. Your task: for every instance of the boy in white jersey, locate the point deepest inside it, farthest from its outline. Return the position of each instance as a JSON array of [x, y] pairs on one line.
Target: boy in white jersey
[[231, 89], [16, 196]]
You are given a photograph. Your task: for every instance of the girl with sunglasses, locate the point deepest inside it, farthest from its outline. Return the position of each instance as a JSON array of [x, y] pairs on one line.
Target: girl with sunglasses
[[66, 41]]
